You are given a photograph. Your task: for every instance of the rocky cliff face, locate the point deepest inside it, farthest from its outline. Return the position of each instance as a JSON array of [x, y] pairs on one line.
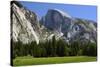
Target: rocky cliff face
[[71, 29], [22, 24], [57, 20], [26, 27]]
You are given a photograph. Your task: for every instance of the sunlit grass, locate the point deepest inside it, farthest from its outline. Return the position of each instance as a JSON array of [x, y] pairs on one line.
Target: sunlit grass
[[29, 60]]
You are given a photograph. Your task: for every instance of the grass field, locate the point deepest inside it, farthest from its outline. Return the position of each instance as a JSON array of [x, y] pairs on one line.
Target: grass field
[[51, 60]]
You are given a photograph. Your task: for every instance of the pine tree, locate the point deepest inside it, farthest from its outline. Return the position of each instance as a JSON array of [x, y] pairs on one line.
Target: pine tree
[[74, 48], [53, 46]]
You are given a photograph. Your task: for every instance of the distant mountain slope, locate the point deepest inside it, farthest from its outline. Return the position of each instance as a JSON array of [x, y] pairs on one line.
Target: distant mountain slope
[[26, 27], [72, 29]]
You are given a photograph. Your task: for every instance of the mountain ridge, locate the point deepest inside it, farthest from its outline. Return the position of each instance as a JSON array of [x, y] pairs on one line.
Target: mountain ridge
[[27, 28]]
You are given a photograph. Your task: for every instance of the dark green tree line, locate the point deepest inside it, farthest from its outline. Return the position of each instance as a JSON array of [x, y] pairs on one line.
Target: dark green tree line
[[53, 48]]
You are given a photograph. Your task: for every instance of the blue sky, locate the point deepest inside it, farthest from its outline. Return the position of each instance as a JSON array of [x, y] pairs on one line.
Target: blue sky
[[79, 11]]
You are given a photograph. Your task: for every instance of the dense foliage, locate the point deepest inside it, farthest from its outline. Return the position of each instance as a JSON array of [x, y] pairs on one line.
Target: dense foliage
[[53, 48]]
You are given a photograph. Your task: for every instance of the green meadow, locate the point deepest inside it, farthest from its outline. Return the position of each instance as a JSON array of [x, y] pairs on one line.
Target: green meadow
[[29, 60]]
